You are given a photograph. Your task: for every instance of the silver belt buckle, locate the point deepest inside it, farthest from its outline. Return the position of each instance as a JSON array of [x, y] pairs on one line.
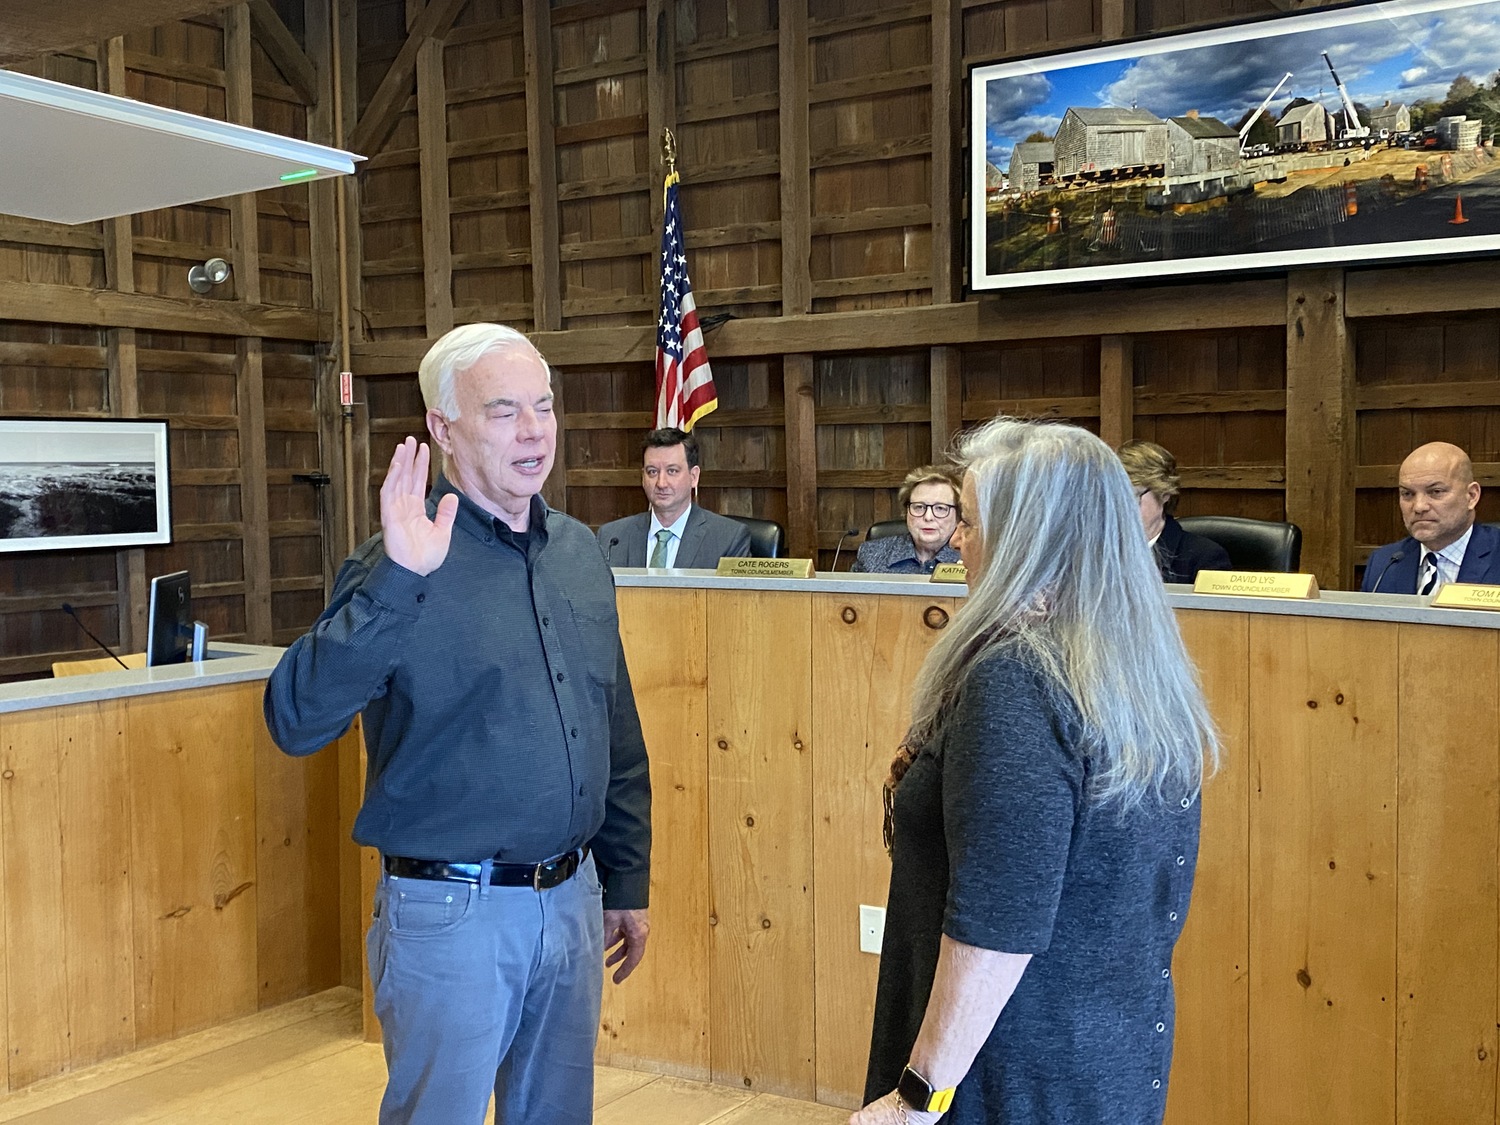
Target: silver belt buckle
[[536, 878]]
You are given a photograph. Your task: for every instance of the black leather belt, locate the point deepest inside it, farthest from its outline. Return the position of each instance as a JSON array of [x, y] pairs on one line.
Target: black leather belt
[[538, 876]]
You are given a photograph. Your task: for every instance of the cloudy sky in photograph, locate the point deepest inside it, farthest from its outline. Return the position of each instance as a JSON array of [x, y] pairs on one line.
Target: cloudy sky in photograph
[[1405, 59]]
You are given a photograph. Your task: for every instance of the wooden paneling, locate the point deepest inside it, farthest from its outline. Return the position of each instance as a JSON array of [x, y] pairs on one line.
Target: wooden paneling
[[1211, 1051], [1448, 851], [1323, 888], [662, 1012], [162, 865], [865, 656], [760, 809]]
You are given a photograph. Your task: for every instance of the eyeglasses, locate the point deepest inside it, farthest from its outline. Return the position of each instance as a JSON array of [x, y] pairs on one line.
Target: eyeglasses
[[939, 511]]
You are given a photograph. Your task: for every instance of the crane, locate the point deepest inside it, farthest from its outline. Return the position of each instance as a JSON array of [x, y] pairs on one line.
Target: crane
[[1249, 121], [1352, 126]]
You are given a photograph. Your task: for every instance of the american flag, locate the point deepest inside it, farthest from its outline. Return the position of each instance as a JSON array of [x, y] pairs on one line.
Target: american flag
[[684, 383]]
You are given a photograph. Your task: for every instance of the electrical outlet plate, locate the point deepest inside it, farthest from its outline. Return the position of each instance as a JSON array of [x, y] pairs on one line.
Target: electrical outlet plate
[[871, 928]]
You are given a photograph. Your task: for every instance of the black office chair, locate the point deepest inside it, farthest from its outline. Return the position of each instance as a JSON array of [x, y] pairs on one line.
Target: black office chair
[[767, 537], [886, 529], [1252, 544]]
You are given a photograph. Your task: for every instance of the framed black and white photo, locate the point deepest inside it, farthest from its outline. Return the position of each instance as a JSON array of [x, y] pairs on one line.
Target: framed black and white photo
[[68, 485], [1361, 133]]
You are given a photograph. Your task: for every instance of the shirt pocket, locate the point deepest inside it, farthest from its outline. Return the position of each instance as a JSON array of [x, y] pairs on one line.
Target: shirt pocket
[[598, 636]]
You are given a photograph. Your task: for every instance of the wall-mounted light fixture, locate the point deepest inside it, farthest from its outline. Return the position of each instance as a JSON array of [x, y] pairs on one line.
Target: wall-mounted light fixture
[[213, 272]]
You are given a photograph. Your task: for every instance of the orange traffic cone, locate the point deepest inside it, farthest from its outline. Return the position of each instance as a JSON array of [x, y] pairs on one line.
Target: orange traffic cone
[[1458, 212], [1351, 198]]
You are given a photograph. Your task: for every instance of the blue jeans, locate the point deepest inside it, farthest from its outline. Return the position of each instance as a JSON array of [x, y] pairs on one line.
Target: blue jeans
[[481, 989]]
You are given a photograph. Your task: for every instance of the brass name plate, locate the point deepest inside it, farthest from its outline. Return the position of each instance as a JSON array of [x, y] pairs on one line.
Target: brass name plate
[[949, 572], [765, 568], [1255, 584], [1468, 595]]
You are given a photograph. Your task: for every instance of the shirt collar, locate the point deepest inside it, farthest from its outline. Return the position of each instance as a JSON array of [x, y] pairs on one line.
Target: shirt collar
[[479, 523], [676, 527], [1453, 552]]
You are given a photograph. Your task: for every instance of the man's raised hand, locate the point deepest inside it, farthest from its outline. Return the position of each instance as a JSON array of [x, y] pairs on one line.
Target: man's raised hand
[[411, 539]]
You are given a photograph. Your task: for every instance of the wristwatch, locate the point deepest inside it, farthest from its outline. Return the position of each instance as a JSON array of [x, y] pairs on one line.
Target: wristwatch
[[918, 1093]]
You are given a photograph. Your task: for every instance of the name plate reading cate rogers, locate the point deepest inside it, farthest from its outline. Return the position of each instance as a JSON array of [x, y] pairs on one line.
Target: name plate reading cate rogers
[[949, 572], [1467, 595], [765, 568], [1256, 584]]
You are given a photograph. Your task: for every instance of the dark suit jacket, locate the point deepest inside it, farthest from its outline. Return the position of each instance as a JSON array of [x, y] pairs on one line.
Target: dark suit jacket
[[707, 538], [1481, 563], [1180, 555]]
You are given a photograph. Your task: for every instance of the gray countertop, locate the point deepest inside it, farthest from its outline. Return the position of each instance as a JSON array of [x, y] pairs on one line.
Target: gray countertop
[[1333, 603], [227, 664]]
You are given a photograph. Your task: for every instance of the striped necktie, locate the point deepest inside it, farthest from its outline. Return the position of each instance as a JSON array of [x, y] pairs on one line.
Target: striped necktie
[[1431, 576], [659, 552]]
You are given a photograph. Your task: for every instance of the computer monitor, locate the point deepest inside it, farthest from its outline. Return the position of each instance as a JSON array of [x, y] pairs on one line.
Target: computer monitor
[[170, 627]]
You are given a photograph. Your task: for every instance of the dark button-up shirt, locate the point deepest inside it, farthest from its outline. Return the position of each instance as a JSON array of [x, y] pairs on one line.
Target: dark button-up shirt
[[498, 713], [897, 554]]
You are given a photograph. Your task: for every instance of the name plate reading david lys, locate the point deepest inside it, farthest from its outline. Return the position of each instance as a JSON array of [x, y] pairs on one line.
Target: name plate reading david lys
[[1256, 584], [949, 572], [1467, 595], [765, 568]]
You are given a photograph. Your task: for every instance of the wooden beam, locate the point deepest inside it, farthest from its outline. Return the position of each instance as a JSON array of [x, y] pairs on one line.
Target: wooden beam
[[1116, 389], [945, 399], [1412, 290], [239, 107], [1116, 19], [661, 99], [130, 565], [119, 254], [254, 501], [385, 105], [437, 227], [546, 271], [1243, 304], [282, 49], [947, 150], [102, 308], [796, 191], [801, 453], [322, 223], [1320, 424], [348, 79]]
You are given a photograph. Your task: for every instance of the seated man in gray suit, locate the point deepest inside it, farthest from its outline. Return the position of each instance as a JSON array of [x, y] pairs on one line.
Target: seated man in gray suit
[[675, 532]]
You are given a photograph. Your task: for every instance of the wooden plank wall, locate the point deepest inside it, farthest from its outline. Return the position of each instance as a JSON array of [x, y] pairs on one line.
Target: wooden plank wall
[[97, 321], [163, 868], [1339, 961], [821, 148]]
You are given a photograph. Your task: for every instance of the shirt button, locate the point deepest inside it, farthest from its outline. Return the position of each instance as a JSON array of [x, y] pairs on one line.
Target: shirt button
[[421, 598], [1165, 973], [580, 790], [561, 677], [1180, 859], [546, 621], [1172, 917], [1187, 802], [1156, 1083], [1161, 1027]]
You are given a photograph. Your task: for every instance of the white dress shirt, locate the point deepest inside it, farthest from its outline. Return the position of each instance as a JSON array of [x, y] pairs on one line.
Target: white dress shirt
[[676, 527]]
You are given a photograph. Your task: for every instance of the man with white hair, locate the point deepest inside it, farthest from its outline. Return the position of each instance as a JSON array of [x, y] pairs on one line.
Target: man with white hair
[[508, 790], [1438, 496]]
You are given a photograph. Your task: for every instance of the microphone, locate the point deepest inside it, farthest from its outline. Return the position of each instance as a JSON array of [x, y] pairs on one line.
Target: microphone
[[1396, 556], [71, 612], [840, 547], [609, 552]]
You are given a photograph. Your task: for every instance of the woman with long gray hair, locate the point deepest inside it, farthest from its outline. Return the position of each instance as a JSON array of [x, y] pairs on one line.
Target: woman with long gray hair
[[1042, 813]]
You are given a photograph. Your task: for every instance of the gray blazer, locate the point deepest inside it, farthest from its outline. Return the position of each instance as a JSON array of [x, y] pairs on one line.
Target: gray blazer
[[706, 539]]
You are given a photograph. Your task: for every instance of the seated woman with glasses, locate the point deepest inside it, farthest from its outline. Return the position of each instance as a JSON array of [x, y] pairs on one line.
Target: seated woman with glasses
[[1180, 554], [1043, 811], [929, 500]]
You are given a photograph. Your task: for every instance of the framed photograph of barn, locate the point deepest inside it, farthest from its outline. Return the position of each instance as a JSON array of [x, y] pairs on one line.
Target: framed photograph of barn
[[1351, 134], [66, 485]]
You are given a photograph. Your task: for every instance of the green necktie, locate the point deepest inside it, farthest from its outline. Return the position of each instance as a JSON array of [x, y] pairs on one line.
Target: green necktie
[[659, 552]]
